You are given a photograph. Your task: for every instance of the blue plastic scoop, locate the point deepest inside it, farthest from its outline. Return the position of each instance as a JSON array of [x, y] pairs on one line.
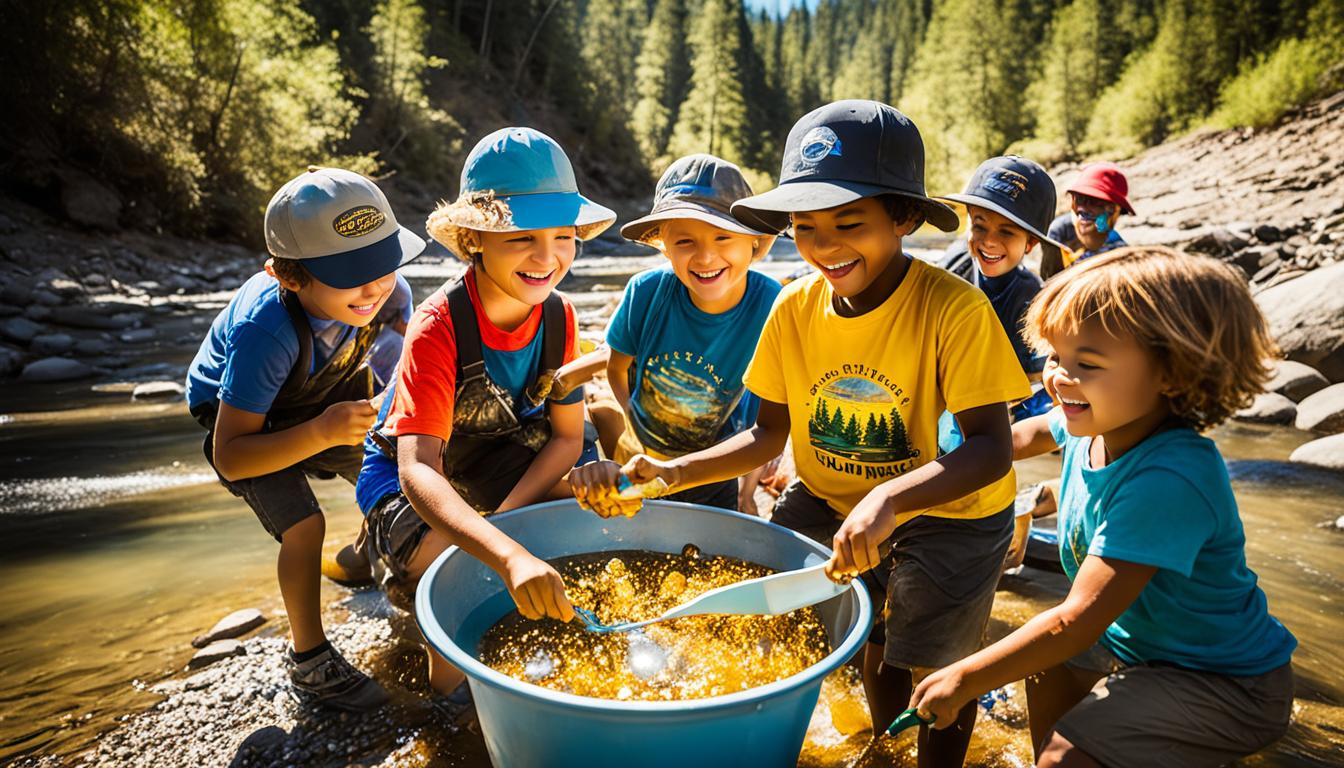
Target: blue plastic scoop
[[771, 595]]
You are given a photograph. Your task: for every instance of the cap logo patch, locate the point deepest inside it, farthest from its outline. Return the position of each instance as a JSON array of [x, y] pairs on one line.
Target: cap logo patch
[[1007, 183], [817, 144], [358, 221]]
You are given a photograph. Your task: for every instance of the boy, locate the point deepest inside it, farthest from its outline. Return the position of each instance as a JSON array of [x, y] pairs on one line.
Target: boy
[[469, 430], [856, 363], [1096, 199], [282, 385], [682, 335]]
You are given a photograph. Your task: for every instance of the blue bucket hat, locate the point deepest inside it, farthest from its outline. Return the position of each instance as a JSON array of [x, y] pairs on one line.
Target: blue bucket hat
[[528, 172], [1016, 188]]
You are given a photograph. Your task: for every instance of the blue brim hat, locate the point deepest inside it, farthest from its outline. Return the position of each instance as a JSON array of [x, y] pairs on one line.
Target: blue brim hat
[[700, 187], [525, 173], [355, 268]]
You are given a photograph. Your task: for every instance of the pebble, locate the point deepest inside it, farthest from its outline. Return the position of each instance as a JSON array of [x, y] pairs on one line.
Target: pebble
[[216, 651], [235, 624], [49, 344], [138, 336], [20, 329]]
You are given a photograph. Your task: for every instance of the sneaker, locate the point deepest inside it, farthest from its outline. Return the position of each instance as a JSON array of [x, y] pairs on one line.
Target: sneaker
[[329, 680]]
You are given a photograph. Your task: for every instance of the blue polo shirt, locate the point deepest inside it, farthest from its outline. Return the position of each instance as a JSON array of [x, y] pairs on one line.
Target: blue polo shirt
[[1168, 503], [251, 346]]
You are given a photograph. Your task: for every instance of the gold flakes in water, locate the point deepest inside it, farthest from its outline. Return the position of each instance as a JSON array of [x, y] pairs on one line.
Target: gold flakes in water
[[689, 658]]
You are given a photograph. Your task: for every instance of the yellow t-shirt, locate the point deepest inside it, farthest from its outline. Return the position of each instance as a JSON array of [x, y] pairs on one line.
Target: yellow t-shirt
[[865, 393]]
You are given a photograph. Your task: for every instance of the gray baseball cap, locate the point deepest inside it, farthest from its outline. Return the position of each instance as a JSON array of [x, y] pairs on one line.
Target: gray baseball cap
[[339, 224], [700, 187]]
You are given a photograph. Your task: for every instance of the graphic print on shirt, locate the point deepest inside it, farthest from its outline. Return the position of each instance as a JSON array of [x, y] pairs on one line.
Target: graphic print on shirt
[[856, 425], [688, 398]]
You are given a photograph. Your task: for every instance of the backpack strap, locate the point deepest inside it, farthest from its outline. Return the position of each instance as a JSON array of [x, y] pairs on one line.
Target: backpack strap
[[298, 375], [554, 329], [466, 331]]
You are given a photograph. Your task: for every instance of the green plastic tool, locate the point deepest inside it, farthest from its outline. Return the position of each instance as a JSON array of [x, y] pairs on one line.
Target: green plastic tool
[[908, 719]]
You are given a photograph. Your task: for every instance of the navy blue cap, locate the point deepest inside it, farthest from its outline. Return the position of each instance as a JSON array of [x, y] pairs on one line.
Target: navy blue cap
[[1017, 188], [842, 152]]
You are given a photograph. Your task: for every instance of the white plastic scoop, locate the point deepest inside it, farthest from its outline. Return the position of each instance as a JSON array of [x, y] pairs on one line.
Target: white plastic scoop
[[771, 595]]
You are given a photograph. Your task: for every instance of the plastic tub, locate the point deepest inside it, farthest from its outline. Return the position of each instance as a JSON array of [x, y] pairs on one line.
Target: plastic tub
[[527, 725]]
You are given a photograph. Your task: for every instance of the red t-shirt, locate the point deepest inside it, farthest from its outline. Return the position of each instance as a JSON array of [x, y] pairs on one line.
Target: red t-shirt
[[427, 375]]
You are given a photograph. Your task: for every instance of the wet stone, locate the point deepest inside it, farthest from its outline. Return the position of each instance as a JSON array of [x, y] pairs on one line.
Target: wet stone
[[55, 369], [216, 651], [160, 390], [236, 623]]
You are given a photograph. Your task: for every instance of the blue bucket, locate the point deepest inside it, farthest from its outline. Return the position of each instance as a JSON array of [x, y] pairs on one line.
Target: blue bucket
[[459, 598]]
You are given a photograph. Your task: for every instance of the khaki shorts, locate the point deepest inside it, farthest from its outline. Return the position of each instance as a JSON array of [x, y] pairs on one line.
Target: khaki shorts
[[1152, 715]]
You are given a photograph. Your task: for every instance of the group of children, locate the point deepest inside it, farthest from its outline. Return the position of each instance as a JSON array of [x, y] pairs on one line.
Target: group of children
[[1163, 652]]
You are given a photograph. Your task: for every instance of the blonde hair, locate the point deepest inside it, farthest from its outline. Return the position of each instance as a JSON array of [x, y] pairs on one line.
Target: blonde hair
[[450, 222], [1193, 314]]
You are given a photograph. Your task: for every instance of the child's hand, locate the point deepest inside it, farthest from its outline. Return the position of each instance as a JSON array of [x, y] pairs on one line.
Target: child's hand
[[347, 423], [641, 469], [855, 544], [941, 695], [562, 384], [536, 588], [595, 485]]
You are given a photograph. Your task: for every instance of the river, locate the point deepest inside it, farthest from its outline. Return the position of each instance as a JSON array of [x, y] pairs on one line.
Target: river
[[117, 547]]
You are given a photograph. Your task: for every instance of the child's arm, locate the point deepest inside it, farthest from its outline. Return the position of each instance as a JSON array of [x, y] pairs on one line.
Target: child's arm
[[1104, 589], [578, 371], [554, 459], [536, 587], [242, 450], [1032, 437], [618, 378], [729, 459], [984, 457]]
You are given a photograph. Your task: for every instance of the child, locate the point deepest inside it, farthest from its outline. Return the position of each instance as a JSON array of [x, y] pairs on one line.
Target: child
[[1096, 198], [682, 335], [856, 363], [468, 431], [1152, 347], [282, 385], [1009, 202]]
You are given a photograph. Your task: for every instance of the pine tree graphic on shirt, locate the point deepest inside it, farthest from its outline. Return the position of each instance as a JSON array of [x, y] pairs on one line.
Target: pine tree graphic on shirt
[[858, 420]]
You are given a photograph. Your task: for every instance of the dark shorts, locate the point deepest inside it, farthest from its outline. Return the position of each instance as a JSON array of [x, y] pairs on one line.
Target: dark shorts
[[934, 588], [722, 495], [282, 499], [395, 532]]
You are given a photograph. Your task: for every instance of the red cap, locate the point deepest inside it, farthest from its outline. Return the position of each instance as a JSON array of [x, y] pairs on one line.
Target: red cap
[[1104, 181]]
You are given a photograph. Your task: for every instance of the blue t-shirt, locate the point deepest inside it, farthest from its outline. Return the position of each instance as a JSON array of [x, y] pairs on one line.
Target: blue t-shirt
[[514, 371], [1168, 503], [251, 347], [686, 390]]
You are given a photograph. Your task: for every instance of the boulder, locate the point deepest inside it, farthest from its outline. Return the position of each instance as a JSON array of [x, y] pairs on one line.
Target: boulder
[[1322, 412], [1306, 317], [159, 390], [90, 347], [138, 336], [235, 624], [95, 318], [1269, 408], [216, 651], [11, 360], [55, 369], [49, 344], [39, 313], [46, 297], [1326, 452], [87, 201], [20, 329], [1296, 381]]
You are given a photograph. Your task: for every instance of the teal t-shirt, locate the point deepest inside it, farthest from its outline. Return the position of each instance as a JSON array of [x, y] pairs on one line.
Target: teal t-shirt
[[1168, 503]]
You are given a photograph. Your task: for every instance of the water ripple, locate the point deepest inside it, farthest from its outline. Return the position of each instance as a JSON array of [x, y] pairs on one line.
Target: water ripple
[[48, 494]]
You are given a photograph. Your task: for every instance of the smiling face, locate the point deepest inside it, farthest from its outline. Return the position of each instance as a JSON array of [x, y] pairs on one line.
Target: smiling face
[[997, 244], [1093, 219], [850, 244], [525, 266], [1106, 385], [711, 262], [352, 306]]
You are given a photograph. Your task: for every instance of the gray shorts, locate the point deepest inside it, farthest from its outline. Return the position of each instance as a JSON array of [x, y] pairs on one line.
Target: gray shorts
[[1158, 715], [282, 499], [395, 532], [933, 589]]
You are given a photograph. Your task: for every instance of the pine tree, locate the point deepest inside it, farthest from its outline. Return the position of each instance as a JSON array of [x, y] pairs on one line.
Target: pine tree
[[899, 441], [853, 436], [797, 79], [908, 25], [713, 117], [871, 435], [610, 48], [662, 75], [837, 423], [883, 432], [821, 420]]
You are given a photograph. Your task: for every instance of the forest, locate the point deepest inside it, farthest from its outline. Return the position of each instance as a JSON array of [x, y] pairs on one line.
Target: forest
[[192, 112]]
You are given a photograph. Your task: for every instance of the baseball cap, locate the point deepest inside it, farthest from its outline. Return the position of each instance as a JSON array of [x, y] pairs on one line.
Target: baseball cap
[[1104, 181], [842, 152], [700, 187], [339, 224], [1014, 187]]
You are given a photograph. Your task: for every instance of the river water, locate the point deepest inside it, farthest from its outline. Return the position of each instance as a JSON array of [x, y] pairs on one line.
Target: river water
[[117, 547]]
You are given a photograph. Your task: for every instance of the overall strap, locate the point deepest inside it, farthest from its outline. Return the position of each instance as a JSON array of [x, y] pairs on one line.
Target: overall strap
[[554, 329], [298, 375], [466, 331]]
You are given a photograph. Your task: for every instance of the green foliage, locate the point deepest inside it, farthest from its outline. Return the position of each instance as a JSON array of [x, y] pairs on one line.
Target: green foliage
[[662, 75], [1298, 70], [713, 118]]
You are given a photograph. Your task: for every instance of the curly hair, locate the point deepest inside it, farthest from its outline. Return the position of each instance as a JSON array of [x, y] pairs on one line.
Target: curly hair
[[1192, 313], [450, 222], [291, 270]]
